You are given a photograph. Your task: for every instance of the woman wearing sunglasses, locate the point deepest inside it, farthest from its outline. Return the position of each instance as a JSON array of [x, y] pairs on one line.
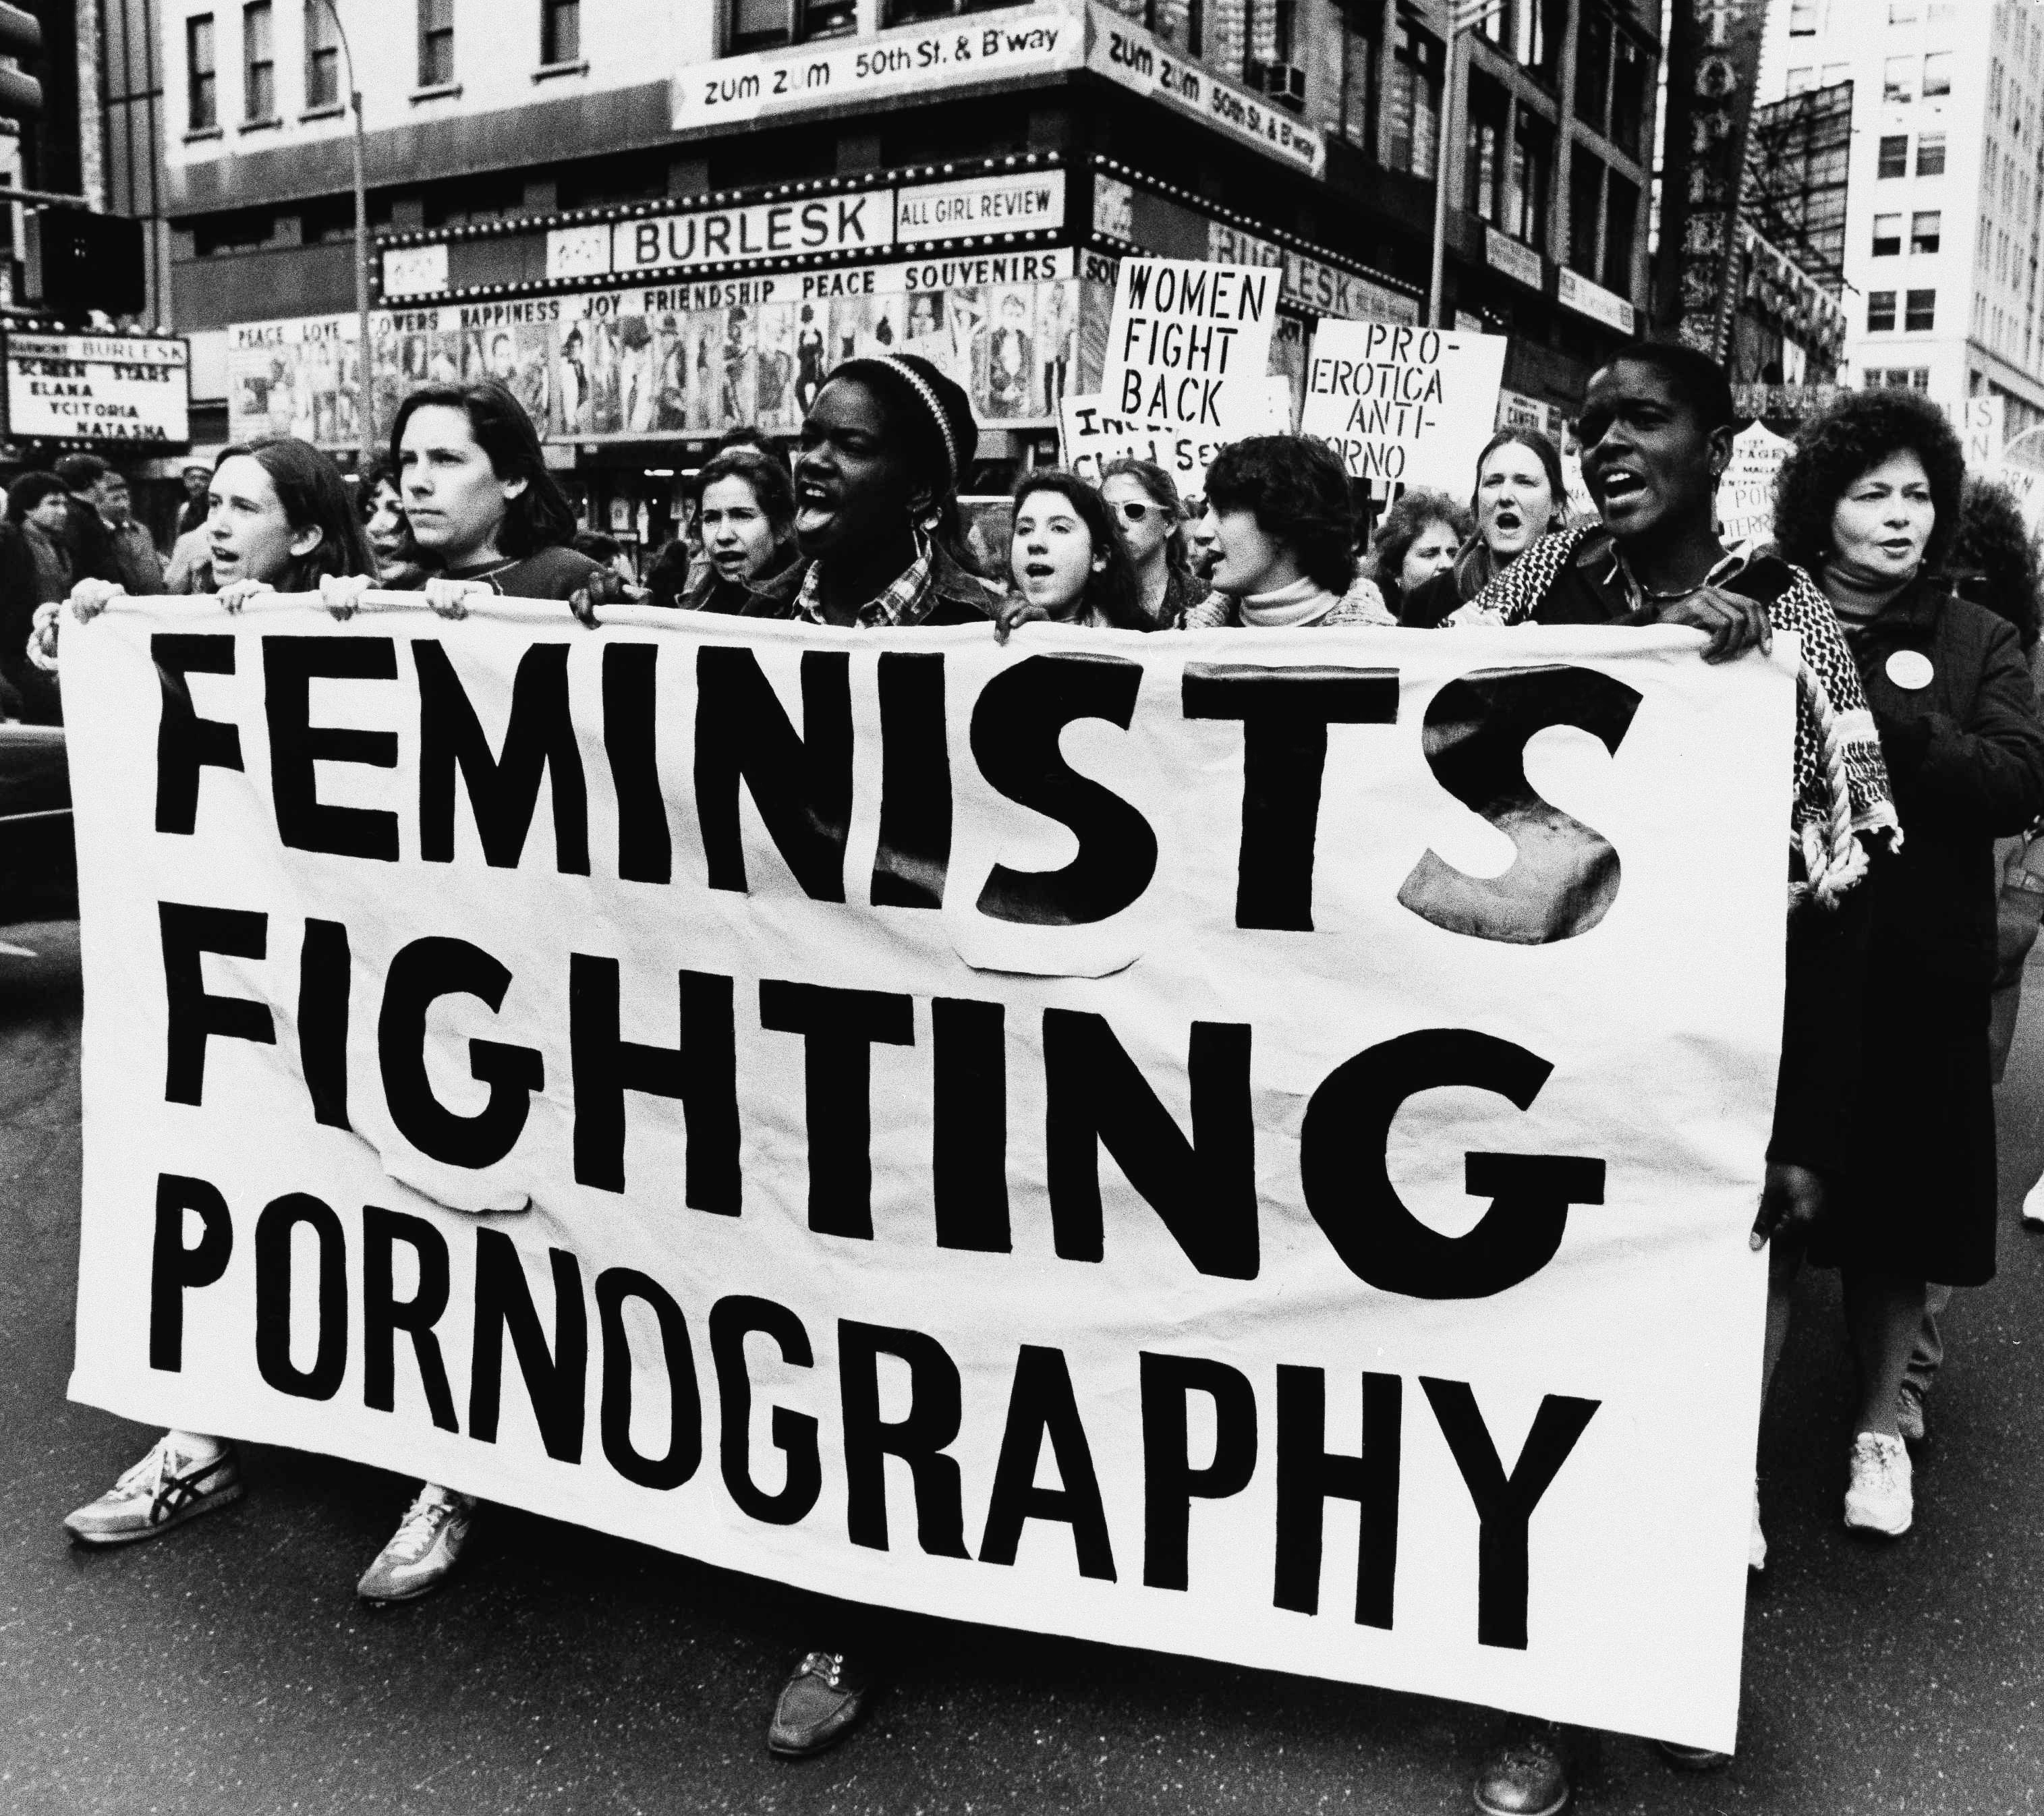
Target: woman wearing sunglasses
[[1144, 501]]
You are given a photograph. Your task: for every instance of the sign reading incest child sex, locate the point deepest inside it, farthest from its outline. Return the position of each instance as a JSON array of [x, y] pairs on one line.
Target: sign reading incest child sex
[[1238, 1143], [1404, 404]]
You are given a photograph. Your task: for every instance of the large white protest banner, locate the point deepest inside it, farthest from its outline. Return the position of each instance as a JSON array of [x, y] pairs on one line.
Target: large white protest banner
[[1238, 1143], [1403, 405]]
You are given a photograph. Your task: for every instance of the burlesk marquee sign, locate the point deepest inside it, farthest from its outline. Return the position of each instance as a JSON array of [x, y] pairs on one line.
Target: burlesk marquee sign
[[124, 389], [1137, 1138], [1006, 45]]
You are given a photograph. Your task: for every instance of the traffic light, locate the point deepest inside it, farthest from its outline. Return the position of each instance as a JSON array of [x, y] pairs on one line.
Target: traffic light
[[20, 38], [76, 261]]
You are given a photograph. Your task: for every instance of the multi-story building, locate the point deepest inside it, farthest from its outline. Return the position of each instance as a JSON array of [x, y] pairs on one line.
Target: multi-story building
[[662, 217], [1942, 216]]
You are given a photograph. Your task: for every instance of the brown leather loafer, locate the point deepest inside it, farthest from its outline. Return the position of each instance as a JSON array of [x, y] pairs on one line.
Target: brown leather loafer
[[818, 1706]]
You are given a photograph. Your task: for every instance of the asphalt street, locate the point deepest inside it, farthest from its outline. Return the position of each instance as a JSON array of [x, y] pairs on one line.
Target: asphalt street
[[230, 1667]]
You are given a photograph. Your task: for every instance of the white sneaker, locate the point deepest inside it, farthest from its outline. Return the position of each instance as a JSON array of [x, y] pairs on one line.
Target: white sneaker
[[1879, 1499], [426, 1545], [2033, 1205], [1756, 1548], [176, 1481]]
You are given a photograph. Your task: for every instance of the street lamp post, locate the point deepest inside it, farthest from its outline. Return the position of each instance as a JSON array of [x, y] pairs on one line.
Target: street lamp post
[[1466, 15], [365, 385]]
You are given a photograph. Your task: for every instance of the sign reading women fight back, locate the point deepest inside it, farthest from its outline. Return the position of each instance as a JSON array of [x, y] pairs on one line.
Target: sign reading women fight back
[[1238, 1143]]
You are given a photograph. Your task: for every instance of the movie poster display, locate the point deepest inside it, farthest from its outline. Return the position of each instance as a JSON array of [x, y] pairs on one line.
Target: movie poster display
[[693, 358]]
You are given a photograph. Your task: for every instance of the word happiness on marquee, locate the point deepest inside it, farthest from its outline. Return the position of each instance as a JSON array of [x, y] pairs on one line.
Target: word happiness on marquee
[[912, 1013]]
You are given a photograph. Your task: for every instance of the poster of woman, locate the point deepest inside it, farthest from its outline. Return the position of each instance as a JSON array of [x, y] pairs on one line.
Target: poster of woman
[[812, 356], [1004, 362], [777, 410]]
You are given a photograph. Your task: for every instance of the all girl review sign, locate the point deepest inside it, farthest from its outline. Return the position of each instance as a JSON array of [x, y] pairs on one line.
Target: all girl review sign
[[1239, 1144]]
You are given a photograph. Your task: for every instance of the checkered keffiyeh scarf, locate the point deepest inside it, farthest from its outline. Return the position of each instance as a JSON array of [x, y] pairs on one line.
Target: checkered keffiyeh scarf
[[907, 600], [1514, 596]]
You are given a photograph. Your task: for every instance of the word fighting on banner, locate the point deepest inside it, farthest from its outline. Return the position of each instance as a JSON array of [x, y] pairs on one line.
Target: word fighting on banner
[[1094, 434], [1409, 406], [1745, 494], [1178, 1097]]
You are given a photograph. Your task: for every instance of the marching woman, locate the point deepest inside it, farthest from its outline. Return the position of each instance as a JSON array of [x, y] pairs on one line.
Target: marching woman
[[1144, 499], [1868, 504], [1278, 508], [389, 533], [1519, 497], [278, 519], [487, 516], [882, 451], [1069, 561], [1656, 430], [1418, 539], [747, 516]]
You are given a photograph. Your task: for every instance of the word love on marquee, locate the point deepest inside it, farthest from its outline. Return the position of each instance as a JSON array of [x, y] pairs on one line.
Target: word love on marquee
[[879, 1059]]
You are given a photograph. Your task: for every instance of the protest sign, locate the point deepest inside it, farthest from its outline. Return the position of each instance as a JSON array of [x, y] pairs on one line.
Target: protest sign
[[1745, 494], [1182, 333], [1400, 403], [1093, 434], [655, 1075]]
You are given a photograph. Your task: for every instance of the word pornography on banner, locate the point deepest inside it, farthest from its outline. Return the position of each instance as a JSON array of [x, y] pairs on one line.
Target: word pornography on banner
[[1404, 406], [653, 1075]]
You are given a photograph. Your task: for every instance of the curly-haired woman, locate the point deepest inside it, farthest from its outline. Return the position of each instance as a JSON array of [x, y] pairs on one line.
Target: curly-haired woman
[[1418, 538], [1278, 507], [1868, 505]]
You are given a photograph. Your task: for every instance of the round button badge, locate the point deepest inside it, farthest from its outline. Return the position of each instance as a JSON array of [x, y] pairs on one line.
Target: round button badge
[[1910, 669]]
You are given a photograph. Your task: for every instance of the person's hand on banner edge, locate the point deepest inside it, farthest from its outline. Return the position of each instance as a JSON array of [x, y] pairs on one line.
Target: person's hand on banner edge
[[605, 588], [1734, 623], [1015, 611], [237, 594], [449, 598], [90, 598], [1790, 1202], [341, 594], [43, 636]]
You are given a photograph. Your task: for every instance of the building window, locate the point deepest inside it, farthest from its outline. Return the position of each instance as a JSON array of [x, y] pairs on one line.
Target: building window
[[1898, 80], [1930, 154], [1936, 74], [1359, 99], [1887, 236], [1585, 210], [1593, 37], [201, 75], [1802, 18], [1835, 73], [435, 43], [1894, 155], [1532, 163], [1802, 78], [259, 83], [322, 56], [1925, 230], [1178, 23], [895, 12], [1621, 230], [1897, 379], [1414, 103], [1904, 12], [1629, 97], [757, 24], [1919, 314], [1880, 311], [560, 31], [1484, 194]]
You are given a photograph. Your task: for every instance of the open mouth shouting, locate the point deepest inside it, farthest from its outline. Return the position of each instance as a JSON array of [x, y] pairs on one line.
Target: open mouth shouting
[[1620, 489], [816, 504]]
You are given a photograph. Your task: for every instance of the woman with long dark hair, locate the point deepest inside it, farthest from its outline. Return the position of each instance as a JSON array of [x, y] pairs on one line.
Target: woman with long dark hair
[[486, 515], [1520, 496], [1068, 559], [381, 505], [1868, 504]]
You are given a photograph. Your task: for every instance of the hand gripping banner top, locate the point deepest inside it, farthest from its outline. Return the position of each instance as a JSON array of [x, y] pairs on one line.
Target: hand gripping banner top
[[1239, 1143]]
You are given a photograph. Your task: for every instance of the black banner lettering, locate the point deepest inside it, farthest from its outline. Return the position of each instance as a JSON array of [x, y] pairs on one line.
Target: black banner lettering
[[191, 1016], [919, 1440], [915, 848], [1040, 1405], [304, 821], [325, 971], [555, 1377], [684, 1451], [174, 1268], [968, 1124], [794, 1433], [186, 744], [1171, 1483], [1308, 1476], [384, 1315], [282, 1216], [645, 853]]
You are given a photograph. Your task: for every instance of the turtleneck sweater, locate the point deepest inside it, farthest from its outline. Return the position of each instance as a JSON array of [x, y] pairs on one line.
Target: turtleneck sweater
[[1303, 602], [1856, 596]]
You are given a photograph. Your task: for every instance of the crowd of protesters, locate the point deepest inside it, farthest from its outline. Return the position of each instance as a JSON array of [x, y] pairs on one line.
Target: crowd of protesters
[[1911, 898]]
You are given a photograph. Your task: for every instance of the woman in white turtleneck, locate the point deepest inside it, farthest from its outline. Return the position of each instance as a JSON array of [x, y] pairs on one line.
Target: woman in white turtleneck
[[1278, 508]]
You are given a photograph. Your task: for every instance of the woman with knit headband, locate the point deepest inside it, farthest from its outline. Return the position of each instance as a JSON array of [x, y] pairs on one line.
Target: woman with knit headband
[[1656, 434], [876, 523], [883, 448]]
